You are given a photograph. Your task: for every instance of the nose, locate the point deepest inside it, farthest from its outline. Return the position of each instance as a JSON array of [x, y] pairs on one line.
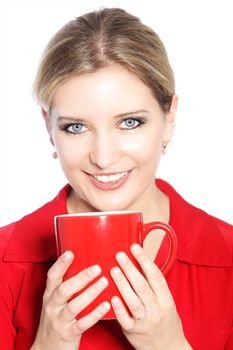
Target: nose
[[104, 151]]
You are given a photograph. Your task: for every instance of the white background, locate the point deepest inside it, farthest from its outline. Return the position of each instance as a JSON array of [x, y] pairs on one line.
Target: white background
[[198, 36]]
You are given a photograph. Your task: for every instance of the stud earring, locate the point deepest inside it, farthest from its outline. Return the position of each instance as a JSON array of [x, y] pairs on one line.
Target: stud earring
[[165, 147], [54, 155]]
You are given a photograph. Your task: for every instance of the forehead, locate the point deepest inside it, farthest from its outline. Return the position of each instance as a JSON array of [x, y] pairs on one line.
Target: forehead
[[112, 89]]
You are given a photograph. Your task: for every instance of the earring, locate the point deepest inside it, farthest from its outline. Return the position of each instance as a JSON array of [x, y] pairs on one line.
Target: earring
[[54, 155], [165, 147]]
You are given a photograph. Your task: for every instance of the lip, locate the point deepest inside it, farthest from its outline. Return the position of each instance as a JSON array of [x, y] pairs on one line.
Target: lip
[[109, 186]]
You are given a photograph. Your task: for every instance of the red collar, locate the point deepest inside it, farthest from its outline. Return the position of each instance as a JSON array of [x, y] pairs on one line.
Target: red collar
[[200, 237]]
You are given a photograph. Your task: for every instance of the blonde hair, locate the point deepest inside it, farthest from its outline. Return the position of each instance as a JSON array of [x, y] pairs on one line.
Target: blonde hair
[[98, 39]]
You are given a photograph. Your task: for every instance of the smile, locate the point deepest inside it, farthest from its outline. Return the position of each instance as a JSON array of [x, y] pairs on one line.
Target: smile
[[109, 182], [110, 178]]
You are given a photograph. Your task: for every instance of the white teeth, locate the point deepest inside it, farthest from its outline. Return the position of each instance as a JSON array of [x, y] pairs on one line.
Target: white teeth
[[110, 178]]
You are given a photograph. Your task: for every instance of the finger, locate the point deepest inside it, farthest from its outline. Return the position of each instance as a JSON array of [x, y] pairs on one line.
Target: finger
[[92, 318], [76, 305], [131, 299], [152, 273], [136, 279], [74, 284], [126, 322], [57, 271]]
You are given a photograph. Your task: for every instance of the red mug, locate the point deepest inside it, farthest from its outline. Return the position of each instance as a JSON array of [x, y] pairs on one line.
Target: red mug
[[96, 237]]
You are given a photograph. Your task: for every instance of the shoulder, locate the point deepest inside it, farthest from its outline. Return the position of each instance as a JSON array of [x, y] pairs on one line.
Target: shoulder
[[210, 239], [202, 239], [226, 231], [32, 239], [5, 235], [209, 227], [11, 275]]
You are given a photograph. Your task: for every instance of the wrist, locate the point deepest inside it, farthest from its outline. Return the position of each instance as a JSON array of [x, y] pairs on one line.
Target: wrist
[[179, 345]]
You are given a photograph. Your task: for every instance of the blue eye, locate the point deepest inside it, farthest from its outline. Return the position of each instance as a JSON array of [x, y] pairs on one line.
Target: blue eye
[[76, 128], [131, 123]]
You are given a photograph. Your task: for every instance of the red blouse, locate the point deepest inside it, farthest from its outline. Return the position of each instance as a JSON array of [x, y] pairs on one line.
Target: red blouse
[[201, 279]]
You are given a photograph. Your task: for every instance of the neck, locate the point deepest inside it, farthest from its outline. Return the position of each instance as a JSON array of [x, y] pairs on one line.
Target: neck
[[155, 206], [159, 209]]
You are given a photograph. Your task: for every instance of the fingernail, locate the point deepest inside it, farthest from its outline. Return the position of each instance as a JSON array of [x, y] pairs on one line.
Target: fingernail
[[136, 249], [105, 306], [116, 272], [94, 270], [116, 301], [67, 256], [122, 258], [103, 282]]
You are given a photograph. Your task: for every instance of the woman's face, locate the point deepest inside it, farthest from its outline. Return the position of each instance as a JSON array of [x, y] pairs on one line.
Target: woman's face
[[108, 131]]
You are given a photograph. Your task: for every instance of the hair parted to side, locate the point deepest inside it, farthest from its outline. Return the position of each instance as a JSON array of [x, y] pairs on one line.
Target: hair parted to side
[[98, 39]]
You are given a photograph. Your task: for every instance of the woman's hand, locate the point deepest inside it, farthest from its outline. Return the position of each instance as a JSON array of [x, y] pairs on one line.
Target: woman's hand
[[59, 329], [154, 323]]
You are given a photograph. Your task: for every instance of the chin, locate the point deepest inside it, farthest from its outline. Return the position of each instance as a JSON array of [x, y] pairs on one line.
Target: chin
[[112, 207]]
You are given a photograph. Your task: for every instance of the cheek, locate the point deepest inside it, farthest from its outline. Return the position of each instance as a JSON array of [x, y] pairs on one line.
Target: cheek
[[70, 154], [144, 148]]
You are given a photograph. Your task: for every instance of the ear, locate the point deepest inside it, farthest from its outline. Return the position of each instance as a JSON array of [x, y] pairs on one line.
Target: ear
[[46, 117], [171, 119]]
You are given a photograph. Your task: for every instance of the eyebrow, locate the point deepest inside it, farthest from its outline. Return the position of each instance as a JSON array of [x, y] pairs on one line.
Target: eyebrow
[[117, 116]]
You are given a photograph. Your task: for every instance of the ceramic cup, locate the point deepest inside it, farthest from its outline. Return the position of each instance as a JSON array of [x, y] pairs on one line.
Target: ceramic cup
[[96, 237]]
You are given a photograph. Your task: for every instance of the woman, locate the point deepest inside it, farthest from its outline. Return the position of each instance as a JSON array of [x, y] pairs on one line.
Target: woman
[[108, 100]]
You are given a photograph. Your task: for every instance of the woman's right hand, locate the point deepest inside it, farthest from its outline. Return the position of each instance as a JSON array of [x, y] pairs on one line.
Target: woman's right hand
[[58, 328]]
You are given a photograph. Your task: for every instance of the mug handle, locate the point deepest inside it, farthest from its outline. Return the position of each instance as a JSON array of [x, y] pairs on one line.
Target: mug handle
[[157, 225]]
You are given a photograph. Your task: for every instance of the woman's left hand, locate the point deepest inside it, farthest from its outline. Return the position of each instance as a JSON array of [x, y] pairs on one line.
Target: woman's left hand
[[155, 323]]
